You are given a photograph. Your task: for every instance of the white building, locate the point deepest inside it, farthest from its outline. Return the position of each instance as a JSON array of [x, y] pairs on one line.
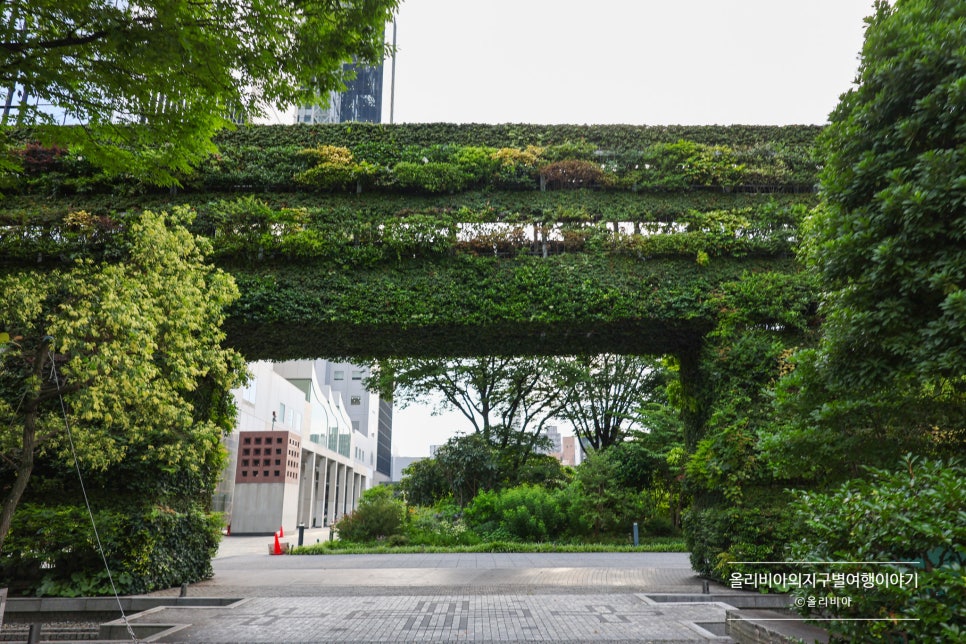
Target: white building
[[297, 455]]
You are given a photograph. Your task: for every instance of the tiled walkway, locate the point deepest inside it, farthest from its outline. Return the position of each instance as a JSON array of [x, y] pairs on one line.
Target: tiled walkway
[[547, 597]]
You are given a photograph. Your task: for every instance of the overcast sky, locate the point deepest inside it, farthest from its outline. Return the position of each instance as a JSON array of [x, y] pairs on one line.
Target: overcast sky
[[642, 62], [653, 62]]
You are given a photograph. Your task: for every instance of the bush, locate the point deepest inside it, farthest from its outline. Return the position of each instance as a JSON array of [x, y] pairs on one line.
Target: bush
[[51, 550], [573, 173], [916, 513], [379, 516], [334, 169], [434, 177], [522, 513], [440, 525]]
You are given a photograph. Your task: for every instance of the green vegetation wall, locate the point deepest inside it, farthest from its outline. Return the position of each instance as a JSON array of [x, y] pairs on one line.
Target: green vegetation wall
[[440, 239]]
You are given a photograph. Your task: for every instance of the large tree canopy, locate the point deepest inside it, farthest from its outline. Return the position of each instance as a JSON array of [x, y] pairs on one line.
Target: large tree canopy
[[507, 400], [176, 68], [103, 356], [890, 244], [603, 394]]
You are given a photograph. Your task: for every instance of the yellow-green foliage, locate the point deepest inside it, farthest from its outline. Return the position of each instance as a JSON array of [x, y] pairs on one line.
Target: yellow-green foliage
[[513, 157], [334, 169]]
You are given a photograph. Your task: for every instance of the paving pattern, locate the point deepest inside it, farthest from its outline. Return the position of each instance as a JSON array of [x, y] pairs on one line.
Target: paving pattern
[[505, 597], [444, 618]]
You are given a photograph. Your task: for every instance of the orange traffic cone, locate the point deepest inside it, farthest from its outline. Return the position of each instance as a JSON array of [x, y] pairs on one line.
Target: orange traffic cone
[[281, 531], [278, 546]]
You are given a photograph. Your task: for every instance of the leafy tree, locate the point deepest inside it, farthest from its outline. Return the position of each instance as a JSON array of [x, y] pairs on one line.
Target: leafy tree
[[507, 400], [889, 243], [912, 513], [604, 392], [599, 502], [889, 250], [102, 356], [424, 483], [174, 69]]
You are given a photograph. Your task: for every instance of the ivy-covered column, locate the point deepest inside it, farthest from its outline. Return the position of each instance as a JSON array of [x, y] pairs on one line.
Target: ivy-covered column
[[696, 393]]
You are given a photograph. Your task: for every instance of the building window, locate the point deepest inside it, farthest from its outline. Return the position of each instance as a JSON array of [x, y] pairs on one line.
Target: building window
[[355, 400], [338, 375], [248, 392], [281, 412], [357, 374]]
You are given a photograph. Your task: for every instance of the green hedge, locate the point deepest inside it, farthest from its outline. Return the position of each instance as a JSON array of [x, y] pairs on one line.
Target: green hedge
[[250, 228], [447, 158], [914, 513], [52, 550]]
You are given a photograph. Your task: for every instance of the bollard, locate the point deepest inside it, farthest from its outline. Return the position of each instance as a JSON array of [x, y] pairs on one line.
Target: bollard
[[705, 588], [33, 635], [301, 528], [637, 540], [184, 590]]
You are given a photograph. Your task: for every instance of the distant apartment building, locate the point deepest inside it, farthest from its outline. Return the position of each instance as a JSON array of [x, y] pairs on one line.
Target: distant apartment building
[[553, 435], [298, 456], [570, 452]]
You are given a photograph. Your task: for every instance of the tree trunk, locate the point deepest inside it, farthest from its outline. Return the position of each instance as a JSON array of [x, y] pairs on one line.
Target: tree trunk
[[31, 409], [24, 470]]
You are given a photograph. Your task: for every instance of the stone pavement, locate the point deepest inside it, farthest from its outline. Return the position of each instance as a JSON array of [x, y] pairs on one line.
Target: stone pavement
[[545, 597]]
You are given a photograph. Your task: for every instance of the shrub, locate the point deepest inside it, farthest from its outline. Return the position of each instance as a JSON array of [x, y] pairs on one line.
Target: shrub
[[573, 173], [434, 177], [440, 525], [916, 513], [516, 169], [477, 163], [524, 513], [335, 169], [51, 550], [379, 516]]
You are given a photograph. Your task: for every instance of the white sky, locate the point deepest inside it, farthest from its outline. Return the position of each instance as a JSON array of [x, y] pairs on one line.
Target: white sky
[[653, 62], [642, 62]]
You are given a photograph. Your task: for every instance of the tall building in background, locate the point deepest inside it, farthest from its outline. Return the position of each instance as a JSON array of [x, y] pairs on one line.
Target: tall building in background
[[361, 102]]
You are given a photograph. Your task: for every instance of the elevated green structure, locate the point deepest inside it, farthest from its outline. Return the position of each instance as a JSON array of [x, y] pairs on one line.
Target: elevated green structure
[[368, 240]]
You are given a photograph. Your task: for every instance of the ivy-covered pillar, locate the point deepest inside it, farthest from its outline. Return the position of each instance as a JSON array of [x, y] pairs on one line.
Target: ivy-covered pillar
[[696, 393]]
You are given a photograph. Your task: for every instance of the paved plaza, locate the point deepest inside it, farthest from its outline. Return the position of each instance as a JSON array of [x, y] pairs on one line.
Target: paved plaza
[[480, 597]]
